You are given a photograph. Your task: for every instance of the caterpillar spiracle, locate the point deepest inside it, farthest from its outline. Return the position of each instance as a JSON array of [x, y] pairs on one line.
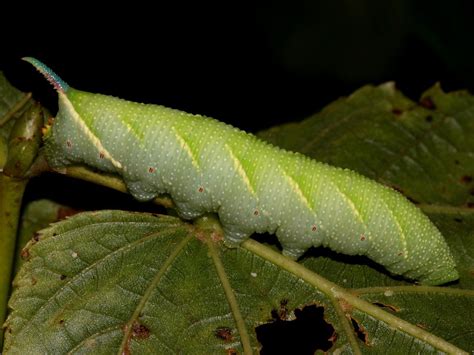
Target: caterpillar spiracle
[[208, 166]]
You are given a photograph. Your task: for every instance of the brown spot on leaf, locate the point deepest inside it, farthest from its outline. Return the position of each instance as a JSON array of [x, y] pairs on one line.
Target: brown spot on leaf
[[427, 102], [216, 237], [362, 237], [61, 321], [68, 143], [151, 170], [33, 281], [466, 179], [255, 213], [422, 326], [397, 111], [201, 236], [201, 189], [63, 277], [140, 331], [346, 307], [101, 155], [25, 253], [231, 351], [224, 333]]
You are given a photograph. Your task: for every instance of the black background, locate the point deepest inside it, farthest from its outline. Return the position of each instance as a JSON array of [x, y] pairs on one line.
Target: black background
[[252, 65]]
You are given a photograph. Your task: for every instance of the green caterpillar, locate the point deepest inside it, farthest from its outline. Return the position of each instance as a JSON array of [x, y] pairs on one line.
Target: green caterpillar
[[208, 166]]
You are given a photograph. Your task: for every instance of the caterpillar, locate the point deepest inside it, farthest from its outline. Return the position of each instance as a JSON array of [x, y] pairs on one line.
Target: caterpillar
[[208, 166]]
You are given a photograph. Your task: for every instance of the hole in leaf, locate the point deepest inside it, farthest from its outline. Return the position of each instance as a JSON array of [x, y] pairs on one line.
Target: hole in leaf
[[359, 330], [304, 335], [386, 306], [283, 309]]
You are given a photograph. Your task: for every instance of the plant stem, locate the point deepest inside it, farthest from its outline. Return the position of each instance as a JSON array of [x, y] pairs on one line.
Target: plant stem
[[11, 193], [110, 181], [23, 146]]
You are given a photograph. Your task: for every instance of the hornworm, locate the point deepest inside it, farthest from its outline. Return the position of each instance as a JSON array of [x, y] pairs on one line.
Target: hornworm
[[208, 166]]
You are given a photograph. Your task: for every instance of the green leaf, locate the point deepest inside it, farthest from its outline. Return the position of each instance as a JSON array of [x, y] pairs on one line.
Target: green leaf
[[16, 155], [108, 282], [10, 98], [111, 281], [143, 284], [37, 215], [13, 103]]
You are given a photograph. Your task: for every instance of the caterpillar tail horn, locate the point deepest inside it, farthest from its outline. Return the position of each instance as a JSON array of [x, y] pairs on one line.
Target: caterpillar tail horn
[[50, 75]]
